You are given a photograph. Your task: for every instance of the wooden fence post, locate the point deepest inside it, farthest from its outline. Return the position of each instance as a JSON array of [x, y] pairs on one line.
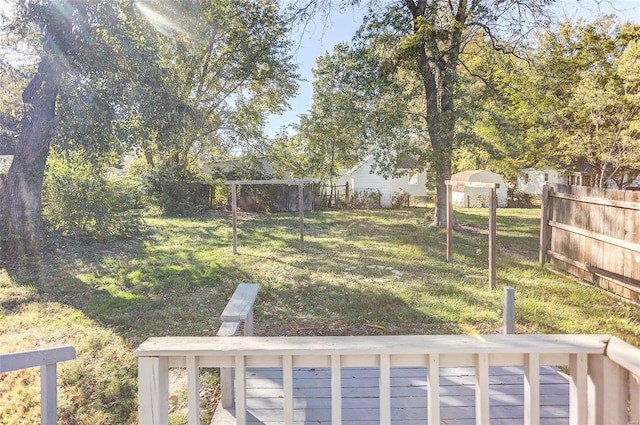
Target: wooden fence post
[[544, 225], [346, 191], [492, 237]]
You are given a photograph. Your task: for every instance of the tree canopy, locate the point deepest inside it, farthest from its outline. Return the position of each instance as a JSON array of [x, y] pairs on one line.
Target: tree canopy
[[166, 78]]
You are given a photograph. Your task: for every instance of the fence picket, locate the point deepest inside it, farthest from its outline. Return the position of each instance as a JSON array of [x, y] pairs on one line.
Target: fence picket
[[593, 234]]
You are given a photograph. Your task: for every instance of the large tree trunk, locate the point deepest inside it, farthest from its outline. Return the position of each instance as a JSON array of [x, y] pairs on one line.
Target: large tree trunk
[[22, 188]]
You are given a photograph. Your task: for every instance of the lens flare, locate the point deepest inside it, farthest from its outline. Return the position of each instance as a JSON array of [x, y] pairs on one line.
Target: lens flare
[[165, 22]]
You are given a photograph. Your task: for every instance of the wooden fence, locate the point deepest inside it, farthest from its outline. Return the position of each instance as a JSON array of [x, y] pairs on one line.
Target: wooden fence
[[593, 234]]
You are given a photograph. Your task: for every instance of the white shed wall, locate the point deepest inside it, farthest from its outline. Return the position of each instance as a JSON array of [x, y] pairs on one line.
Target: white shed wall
[[362, 179], [473, 197]]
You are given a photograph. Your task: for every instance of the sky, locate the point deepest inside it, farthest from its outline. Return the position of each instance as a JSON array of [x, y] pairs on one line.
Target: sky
[[319, 39]]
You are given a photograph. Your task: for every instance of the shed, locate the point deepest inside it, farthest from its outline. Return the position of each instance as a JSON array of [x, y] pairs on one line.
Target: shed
[[473, 197], [362, 178]]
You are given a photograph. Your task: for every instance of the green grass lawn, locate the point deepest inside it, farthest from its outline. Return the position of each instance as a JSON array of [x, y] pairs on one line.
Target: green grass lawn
[[176, 279]]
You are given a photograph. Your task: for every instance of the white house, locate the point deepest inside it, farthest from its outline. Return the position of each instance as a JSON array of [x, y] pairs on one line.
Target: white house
[[531, 180], [474, 197], [361, 178]]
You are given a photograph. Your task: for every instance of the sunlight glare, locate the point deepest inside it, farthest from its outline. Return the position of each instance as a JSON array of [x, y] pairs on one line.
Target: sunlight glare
[[164, 24]]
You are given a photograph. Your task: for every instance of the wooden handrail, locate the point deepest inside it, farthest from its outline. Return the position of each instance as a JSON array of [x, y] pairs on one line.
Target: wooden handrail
[[600, 386], [239, 309], [47, 359]]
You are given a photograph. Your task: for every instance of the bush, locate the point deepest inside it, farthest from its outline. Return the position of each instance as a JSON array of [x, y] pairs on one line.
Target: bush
[[174, 188], [400, 199], [519, 199], [367, 198], [81, 202]]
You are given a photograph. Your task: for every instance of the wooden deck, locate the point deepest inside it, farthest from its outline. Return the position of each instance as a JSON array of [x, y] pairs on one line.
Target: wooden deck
[[360, 396]]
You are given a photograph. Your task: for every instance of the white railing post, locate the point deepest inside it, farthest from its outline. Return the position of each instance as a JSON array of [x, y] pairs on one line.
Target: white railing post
[[48, 394], [193, 390], [532, 389], [578, 401], [482, 389], [634, 399], [385, 389], [287, 387], [336, 389], [153, 390], [241, 391], [47, 359], [608, 391], [433, 402]]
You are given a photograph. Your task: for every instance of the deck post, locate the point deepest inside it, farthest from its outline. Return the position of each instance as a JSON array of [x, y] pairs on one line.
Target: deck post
[[608, 391], [509, 311], [153, 390]]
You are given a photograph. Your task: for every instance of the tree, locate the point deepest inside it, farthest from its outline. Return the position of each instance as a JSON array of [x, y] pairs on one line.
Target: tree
[[430, 38], [604, 109], [80, 46], [230, 68], [107, 81], [574, 102]]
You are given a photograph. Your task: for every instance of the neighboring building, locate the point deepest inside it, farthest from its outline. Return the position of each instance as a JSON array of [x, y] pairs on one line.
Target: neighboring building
[[262, 166], [474, 197], [361, 178], [532, 180]]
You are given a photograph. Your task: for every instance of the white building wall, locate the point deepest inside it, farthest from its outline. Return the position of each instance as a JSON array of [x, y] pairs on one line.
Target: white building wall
[[534, 180], [362, 179], [413, 184]]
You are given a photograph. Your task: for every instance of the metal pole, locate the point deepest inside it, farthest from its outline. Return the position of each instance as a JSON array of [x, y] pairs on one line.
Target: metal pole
[[234, 214]]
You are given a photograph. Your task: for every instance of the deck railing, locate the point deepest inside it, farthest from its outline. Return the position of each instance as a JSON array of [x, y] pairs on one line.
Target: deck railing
[[47, 360], [604, 372]]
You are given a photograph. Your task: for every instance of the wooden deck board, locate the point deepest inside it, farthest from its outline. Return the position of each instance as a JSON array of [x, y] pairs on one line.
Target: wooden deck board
[[360, 392]]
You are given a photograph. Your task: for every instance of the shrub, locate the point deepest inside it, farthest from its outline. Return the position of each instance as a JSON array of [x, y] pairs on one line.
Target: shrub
[[81, 202], [173, 187], [400, 199], [519, 199], [367, 198]]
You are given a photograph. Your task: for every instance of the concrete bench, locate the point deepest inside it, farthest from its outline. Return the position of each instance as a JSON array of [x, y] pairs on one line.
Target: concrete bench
[[239, 310]]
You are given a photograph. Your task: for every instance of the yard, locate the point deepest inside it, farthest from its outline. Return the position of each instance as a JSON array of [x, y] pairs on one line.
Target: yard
[[363, 272]]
